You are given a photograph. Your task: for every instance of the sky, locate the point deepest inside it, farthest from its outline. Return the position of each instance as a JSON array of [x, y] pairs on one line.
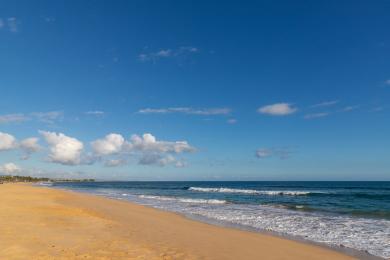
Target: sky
[[195, 90]]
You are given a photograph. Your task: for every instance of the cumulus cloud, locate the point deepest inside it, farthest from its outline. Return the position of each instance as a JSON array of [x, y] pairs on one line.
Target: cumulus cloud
[[316, 115], [154, 152], [12, 118], [146, 149], [325, 104], [10, 169], [29, 146], [278, 109], [26, 146], [7, 142], [167, 53], [110, 144], [147, 142], [187, 110], [63, 149], [113, 150], [281, 153]]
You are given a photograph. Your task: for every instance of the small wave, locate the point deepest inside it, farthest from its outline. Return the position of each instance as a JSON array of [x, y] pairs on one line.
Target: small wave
[[209, 201], [155, 197], [48, 184], [245, 191], [199, 201]]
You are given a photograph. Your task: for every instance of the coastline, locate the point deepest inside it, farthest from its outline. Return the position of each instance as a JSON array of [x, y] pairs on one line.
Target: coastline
[[45, 223]]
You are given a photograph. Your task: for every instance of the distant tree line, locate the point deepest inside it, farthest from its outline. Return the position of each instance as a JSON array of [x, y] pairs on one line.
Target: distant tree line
[[10, 178]]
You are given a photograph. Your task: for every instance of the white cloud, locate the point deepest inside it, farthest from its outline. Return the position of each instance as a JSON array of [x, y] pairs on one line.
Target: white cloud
[[13, 24], [325, 104], [164, 53], [232, 121], [387, 82], [30, 145], [153, 152], [187, 110], [27, 146], [63, 149], [12, 118], [10, 24], [146, 148], [113, 149], [110, 144], [263, 153], [349, 108], [48, 117], [114, 162], [278, 109], [167, 53], [7, 142], [95, 113], [180, 164], [148, 143], [10, 168], [316, 115], [161, 160], [281, 153]]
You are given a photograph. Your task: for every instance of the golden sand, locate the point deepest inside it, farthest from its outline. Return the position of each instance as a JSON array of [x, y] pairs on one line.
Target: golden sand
[[44, 223]]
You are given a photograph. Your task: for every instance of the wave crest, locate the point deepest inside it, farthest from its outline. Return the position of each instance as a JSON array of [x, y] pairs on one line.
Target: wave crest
[[185, 200], [246, 191]]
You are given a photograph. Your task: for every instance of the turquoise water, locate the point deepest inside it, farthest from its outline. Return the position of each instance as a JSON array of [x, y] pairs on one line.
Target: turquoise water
[[349, 214]]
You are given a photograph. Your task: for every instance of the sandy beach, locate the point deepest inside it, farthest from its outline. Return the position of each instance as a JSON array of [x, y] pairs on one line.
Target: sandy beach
[[44, 223]]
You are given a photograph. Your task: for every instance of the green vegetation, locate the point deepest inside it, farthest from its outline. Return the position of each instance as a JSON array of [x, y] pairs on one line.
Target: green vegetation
[[9, 178]]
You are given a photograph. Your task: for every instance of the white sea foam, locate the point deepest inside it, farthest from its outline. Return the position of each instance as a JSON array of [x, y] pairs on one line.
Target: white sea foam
[[370, 235], [245, 191], [185, 200], [48, 184], [208, 201]]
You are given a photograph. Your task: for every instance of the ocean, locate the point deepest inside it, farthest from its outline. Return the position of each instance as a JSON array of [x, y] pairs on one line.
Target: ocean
[[353, 215]]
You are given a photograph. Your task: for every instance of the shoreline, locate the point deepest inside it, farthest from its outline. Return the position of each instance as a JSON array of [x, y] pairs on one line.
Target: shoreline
[[341, 249], [137, 231]]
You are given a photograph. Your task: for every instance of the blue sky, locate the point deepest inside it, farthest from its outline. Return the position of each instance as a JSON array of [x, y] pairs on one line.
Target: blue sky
[[195, 90]]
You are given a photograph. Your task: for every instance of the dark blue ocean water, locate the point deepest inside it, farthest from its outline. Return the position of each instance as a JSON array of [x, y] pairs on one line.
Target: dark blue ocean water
[[349, 214]]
